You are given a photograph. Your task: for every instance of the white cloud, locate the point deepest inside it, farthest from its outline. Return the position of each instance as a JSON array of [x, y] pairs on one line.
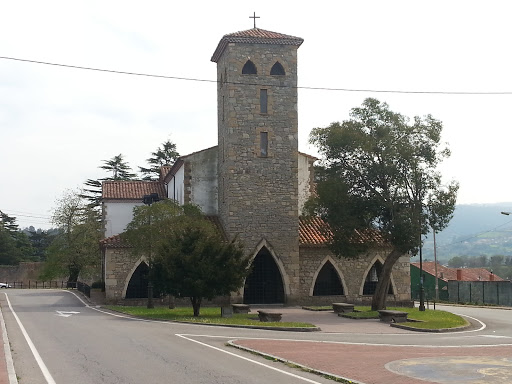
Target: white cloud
[[57, 124]]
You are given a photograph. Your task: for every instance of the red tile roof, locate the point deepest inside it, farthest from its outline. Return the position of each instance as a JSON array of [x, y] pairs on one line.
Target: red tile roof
[[255, 36], [313, 231], [447, 273], [113, 242], [164, 170], [131, 190]]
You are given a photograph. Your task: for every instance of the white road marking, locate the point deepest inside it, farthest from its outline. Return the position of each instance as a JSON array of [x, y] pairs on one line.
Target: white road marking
[[37, 356], [482, 327], [250, 360], [66, 313], [496, 336], [482, 324], [11, 373], [347, 342]]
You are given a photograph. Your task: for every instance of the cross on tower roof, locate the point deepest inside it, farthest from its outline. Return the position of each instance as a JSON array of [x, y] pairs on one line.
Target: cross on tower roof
[[254, 17]]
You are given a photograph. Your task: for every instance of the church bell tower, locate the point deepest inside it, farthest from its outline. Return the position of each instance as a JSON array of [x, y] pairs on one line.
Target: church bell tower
[[258, 145]]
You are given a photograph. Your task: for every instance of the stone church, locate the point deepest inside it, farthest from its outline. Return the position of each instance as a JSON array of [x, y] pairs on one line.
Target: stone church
[[253, 184]]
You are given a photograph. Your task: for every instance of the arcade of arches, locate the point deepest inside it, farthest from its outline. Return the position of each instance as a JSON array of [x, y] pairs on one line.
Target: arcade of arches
[[265, 283]]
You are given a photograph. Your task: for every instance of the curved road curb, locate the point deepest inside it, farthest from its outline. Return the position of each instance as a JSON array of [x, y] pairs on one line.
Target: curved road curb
[[440, 330], [269, 328]]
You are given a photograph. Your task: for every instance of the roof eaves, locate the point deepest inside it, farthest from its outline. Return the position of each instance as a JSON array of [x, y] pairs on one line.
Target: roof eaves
[[254, 36]]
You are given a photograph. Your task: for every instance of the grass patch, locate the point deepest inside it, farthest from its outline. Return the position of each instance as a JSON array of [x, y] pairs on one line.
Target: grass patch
[[318, 308], [362, 313], [428, 319], [208, 315]]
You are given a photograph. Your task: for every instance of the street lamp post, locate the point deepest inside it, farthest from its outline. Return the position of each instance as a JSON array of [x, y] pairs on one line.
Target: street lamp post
[[422, 289], [148, 200], [435, 264]]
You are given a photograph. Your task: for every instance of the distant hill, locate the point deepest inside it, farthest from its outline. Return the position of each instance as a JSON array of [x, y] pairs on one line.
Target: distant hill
[[476, 229]]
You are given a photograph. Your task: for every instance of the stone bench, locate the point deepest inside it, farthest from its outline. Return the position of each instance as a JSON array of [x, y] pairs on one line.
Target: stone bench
[[389, 316], [241, 308], [342, 307], [269, 316]]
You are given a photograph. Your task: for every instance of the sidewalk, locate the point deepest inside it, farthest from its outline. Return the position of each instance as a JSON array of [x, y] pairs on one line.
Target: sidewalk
[[392, 365], [386, 364], [7, 374]]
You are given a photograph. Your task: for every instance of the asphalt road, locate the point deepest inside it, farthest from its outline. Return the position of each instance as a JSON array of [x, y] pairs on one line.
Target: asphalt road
[[75, 343], [79, 344]]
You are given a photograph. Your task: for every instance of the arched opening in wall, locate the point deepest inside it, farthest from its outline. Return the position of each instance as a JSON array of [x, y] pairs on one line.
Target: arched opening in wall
[[138, 285], [372, 278], [277, 69], [249, 68], [264, 285], [328, 282]]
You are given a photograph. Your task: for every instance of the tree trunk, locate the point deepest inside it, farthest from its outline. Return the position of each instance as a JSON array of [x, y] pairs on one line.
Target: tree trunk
[[381, 291], [172, 303], [73, 274], [196, 305]]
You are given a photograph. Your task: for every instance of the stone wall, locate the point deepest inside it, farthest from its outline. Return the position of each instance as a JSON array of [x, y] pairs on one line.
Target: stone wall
[[22, 273], [352, 273], [258, 192], [119, 266]]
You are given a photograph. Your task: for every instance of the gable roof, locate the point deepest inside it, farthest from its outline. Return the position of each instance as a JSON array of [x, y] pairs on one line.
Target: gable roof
[[164, 170], [171, 171], [467, 274], [131, 189], [254, 36]]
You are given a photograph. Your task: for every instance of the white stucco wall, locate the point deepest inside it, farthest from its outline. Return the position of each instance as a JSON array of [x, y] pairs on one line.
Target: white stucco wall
[[304, 180], [204, 180], [175, 188], [117, 216]]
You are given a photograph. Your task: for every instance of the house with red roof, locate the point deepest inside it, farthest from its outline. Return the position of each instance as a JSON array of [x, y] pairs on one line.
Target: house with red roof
[[253, 184]]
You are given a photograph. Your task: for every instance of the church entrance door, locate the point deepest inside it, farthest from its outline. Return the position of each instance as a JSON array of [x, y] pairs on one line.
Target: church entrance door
[[264, 285]]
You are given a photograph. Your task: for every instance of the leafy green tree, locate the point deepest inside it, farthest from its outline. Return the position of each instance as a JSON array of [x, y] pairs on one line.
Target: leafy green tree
[[40, 240], [378, 175], [74, 251], [188, 256], [120, 171], [456, 262], [164, 155], [14, 244], [198, 263], [8, 222], [9, 254], [149, 227], [152, 223], [119, 168], [497, 261]]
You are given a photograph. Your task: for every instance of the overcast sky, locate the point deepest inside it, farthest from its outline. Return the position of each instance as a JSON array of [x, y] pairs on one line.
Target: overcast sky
[[57, 124]]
